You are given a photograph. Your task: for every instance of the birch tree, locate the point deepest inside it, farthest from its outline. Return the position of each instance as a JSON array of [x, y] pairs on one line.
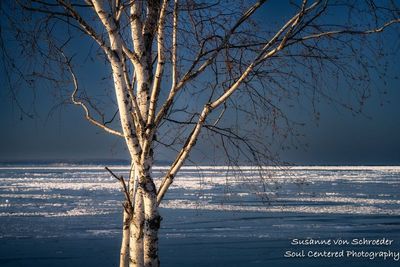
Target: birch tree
[[228, 57]]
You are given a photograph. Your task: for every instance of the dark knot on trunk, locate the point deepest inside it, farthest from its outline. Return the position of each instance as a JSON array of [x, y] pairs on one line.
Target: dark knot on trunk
[[154, 223]]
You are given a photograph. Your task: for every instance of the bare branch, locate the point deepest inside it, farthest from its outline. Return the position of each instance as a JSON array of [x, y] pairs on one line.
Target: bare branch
[[190, 142], [85, 26], [191, 73], [160, 64], [348, 32], [42, 10], [139, 122], [129, 206], [84, 107], [174, 60], [157, 81]]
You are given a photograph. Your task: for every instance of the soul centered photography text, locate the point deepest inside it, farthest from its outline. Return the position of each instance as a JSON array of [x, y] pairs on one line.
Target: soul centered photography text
[[363, 248]]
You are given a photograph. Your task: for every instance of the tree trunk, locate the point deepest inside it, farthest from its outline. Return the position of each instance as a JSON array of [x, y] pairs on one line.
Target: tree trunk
[[151, 225], [127, 217], [143, 243], [136, 258], [123, 260]]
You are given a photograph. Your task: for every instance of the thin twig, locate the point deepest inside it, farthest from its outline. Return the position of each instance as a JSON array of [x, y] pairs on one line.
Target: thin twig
[[125, 189]]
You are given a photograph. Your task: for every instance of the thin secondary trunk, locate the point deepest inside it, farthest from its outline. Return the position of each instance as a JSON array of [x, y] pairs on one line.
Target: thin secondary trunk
[[124, 255], [123, 260], [136, 258]]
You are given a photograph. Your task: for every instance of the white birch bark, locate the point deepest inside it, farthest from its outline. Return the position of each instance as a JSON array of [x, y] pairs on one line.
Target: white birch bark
[[127, 217], [122, 94], [152, 221], [134, 230], [136, 258], [124, 253], [128, 126], [141, 67]]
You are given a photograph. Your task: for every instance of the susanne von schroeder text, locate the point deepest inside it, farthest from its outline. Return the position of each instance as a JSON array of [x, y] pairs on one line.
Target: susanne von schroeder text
[[355, 241]]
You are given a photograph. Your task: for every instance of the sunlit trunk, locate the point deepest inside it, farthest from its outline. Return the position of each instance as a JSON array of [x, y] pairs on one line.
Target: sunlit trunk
[[127, 216], [151, 225], [132, 240], [145, 222], [124, 254], [136, 256]]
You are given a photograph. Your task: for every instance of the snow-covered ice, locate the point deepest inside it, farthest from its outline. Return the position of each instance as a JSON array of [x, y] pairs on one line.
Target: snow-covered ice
[[205, 204]]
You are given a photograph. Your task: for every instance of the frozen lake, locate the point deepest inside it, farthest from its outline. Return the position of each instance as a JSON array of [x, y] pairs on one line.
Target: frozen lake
[[212, 216]]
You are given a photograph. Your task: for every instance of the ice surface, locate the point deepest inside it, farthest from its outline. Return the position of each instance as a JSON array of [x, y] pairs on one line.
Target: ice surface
[[211, 211], [89, 190]]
